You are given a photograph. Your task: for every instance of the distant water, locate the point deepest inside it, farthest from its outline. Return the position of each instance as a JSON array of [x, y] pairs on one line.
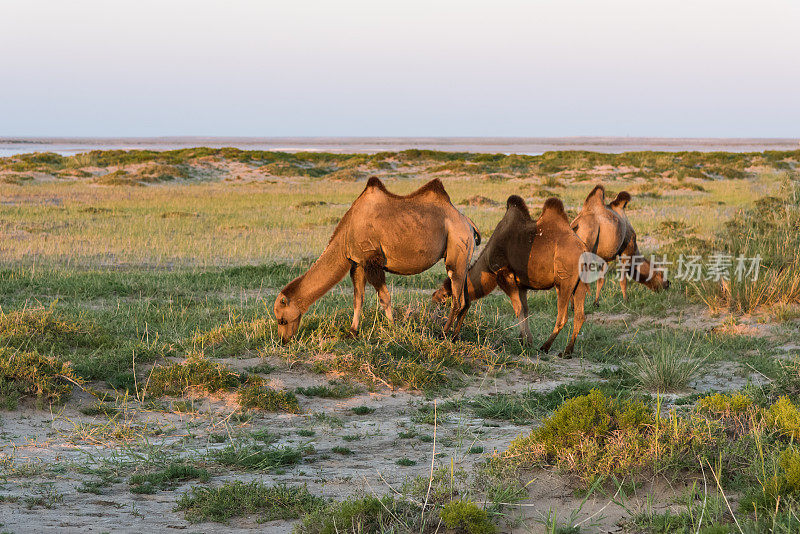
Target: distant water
[[506, 145]]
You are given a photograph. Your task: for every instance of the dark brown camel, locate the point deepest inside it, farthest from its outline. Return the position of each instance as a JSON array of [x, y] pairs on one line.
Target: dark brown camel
[[386, 232], [607, 232], [524, 254]]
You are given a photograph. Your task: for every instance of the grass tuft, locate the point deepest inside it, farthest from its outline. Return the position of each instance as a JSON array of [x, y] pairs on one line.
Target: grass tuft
[[195, 374], [166, 478], [235, 499]]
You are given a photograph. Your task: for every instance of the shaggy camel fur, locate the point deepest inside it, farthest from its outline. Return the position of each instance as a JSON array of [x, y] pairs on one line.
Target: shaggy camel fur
[[386, 232], [607, 232], [524, 254]]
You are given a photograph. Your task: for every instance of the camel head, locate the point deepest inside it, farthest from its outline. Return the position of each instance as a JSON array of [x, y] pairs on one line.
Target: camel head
[[288, 314], [649, 277], [443, 293]]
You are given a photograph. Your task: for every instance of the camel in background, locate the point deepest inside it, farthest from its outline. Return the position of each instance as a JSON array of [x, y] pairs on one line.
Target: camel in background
[[383, 232], [608, 233], [524, 254]]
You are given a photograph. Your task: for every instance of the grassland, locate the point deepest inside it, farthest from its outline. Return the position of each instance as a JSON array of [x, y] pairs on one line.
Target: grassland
[[141, 377]]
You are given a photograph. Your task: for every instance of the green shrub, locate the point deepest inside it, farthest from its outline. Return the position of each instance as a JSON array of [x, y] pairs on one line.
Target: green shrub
[[725, 404], [594, 416], [784, 418], [255, 394], [234, 499], [466, 517], [596, 436], [367, 514], [196, 373], [30, 374]]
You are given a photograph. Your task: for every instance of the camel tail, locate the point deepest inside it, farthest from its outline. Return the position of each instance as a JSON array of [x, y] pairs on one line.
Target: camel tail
[[476, 234]]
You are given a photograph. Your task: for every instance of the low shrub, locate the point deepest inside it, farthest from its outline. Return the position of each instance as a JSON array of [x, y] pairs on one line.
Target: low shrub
[[256, 394], [597, 436], [367, 514], [235, 499], [196, 373], [467, 517], [166, 478], [30, 374], [254, 456]]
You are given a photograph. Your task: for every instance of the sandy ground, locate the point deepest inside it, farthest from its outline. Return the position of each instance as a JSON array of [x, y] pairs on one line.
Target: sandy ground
[[43, 454]]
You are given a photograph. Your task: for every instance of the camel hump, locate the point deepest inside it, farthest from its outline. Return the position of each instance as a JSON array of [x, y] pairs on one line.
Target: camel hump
[[553, 207], [374, 181], [597, 198], [515, 201], [434, 186], [621, 201]]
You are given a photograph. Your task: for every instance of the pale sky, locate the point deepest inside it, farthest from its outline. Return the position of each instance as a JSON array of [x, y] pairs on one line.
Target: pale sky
[[689, 68]]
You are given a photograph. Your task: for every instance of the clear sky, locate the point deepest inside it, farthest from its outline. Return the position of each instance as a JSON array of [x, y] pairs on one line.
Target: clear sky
[[691, 68]]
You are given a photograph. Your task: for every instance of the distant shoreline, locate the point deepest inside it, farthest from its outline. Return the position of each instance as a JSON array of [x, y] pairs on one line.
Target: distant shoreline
[[10, 145]]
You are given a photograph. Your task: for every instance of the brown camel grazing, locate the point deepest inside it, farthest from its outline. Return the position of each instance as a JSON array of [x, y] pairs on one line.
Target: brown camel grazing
[[607, 232], [524, 254], [386, 232]]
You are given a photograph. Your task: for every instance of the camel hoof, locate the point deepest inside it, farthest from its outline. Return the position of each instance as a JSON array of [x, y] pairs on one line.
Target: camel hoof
[[567, 355], [544, 349], [352, 334], [596, 304]]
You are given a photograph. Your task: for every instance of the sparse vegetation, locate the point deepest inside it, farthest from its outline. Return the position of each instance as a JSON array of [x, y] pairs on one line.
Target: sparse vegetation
[[195, 374], [239, 499], [166, 478], [255, 394], [138, 294]]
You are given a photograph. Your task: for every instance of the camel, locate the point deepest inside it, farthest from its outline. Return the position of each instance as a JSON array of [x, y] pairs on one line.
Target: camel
[[607, 232], [383, 232], [524, 254]]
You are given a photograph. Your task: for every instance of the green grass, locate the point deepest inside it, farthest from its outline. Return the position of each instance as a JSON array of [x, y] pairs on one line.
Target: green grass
[[362, 410], [235, 499], [159, 280], [47, 379], [256, 457], [166, 478], [195, 374], [335, 390], [254, 394], [667, 364], [367, 514]]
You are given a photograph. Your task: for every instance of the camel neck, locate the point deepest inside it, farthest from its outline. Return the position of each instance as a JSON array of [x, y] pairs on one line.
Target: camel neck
[[326, 272]]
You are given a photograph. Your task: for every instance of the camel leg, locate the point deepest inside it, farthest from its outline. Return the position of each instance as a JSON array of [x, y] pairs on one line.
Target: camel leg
[[623, 281], [600, 283], [564, 296], [623, 285], [460, 299], [457, 272], [519, 301], [456, 262], [358, 276], [578, 316], [377, 277]]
